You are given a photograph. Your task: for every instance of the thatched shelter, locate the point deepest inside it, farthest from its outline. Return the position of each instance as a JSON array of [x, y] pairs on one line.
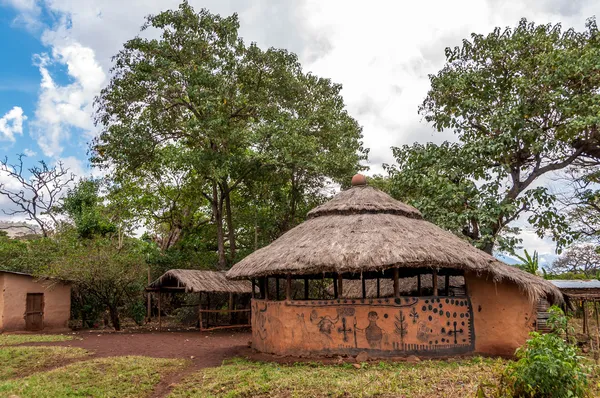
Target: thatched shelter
[[364, 234], [199, 281], [203, 282]]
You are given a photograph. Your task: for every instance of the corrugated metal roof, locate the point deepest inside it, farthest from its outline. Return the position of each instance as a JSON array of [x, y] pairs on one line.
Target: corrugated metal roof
[[576, 284]]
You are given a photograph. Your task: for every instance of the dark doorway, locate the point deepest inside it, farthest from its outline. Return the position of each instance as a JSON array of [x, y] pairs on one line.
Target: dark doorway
[[34, 315]]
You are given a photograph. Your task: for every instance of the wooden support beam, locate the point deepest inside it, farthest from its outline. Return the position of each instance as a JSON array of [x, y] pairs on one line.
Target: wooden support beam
[[159, 310], [419, 289], [200, 310], [364, 288], [586, 326], [267, 295], [597, 328], [305, 288], [288, 287], [149, 300], [277, 288], [396, 283], [207, 308], [447, 285], [231, 304], [378, 287], [253, 286], [340, 281], [335, 287], [435, 282]]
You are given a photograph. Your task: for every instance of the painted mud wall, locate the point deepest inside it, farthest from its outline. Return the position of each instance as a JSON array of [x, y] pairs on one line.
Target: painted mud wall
[[382, 327], [503, 315], [13, 301]]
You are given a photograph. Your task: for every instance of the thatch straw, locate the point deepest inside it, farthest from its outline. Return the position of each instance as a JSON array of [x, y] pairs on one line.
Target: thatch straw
[[199, 281], [406, 286], [364, 229]]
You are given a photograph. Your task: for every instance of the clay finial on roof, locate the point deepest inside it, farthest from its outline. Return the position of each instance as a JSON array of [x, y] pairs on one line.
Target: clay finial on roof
[[359, 180]]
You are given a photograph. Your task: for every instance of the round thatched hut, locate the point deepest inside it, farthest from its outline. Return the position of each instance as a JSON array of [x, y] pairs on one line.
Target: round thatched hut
[[364, 235]]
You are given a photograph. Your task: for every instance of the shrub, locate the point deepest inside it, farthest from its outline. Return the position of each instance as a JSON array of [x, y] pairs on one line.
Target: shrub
[[547, 367]]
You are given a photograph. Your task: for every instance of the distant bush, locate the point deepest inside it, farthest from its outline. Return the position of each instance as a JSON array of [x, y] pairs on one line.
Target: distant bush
[[547, 367]]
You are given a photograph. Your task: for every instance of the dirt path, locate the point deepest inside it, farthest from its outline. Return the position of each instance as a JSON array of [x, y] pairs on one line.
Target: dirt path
[[202, 349]]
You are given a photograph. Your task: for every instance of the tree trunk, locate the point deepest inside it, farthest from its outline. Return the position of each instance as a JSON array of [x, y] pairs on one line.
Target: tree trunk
[[488, 248], [217, 208], [229, 220], [114, 317]]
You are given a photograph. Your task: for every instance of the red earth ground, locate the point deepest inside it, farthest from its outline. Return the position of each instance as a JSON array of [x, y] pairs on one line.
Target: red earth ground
[[202, 349]]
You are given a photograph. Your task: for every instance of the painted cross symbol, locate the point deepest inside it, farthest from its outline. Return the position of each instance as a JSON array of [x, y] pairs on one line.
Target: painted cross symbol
[[414, 315], [344, 330], [455, 332]]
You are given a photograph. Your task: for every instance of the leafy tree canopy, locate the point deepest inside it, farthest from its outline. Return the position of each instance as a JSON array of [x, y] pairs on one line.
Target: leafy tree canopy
[[192, 116], [523, 102]]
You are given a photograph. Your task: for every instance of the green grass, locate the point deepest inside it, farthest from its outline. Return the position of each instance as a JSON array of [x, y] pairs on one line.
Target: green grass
[[241, 378], [104, 377], [21, 361], [13, 339]]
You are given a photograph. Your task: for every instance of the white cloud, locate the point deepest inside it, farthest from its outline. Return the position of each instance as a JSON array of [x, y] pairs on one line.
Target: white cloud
[[64, 107], [29, 153], [12, 123]]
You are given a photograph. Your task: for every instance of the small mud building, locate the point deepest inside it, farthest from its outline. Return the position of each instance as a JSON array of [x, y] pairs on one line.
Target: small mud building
[[365, 236], [27, 303]]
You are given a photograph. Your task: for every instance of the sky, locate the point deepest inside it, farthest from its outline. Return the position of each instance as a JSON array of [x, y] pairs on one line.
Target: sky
[[56, 57]]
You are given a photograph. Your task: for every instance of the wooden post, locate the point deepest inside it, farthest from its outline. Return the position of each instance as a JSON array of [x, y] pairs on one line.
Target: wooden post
[[435, 282], [231, 314], [159, 309], [288, 287], [208, 308], [149, 300], [305, 288], [447, 287], [253, 286], [200, 310], [396, 283], [419, 290], [340, 282], [378, 288], [586, 326], [335, 287], [364, 288], [266, 283], [597, 328], [277, 288]]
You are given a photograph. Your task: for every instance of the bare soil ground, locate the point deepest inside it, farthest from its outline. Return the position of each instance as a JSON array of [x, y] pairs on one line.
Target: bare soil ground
[[202, 349]]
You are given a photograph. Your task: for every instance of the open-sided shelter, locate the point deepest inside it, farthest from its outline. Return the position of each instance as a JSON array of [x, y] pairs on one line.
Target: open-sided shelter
[[202, 282], [364, 234], [579, 292], [33, 304]]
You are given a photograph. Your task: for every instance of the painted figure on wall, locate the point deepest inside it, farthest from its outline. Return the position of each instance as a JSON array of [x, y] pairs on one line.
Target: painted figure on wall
[[373, 332]]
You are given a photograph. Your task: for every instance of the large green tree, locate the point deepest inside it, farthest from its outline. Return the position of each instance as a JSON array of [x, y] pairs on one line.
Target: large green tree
[[523, 102], [194, 115]]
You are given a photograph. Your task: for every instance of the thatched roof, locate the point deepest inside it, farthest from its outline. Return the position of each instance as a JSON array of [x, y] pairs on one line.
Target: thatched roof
[[197, 281], [364, 229], [352, 288]]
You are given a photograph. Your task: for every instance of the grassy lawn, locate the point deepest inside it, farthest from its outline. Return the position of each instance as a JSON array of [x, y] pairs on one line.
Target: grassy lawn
[[20, 361], [240, 378], [13, 339], [104, 377]]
